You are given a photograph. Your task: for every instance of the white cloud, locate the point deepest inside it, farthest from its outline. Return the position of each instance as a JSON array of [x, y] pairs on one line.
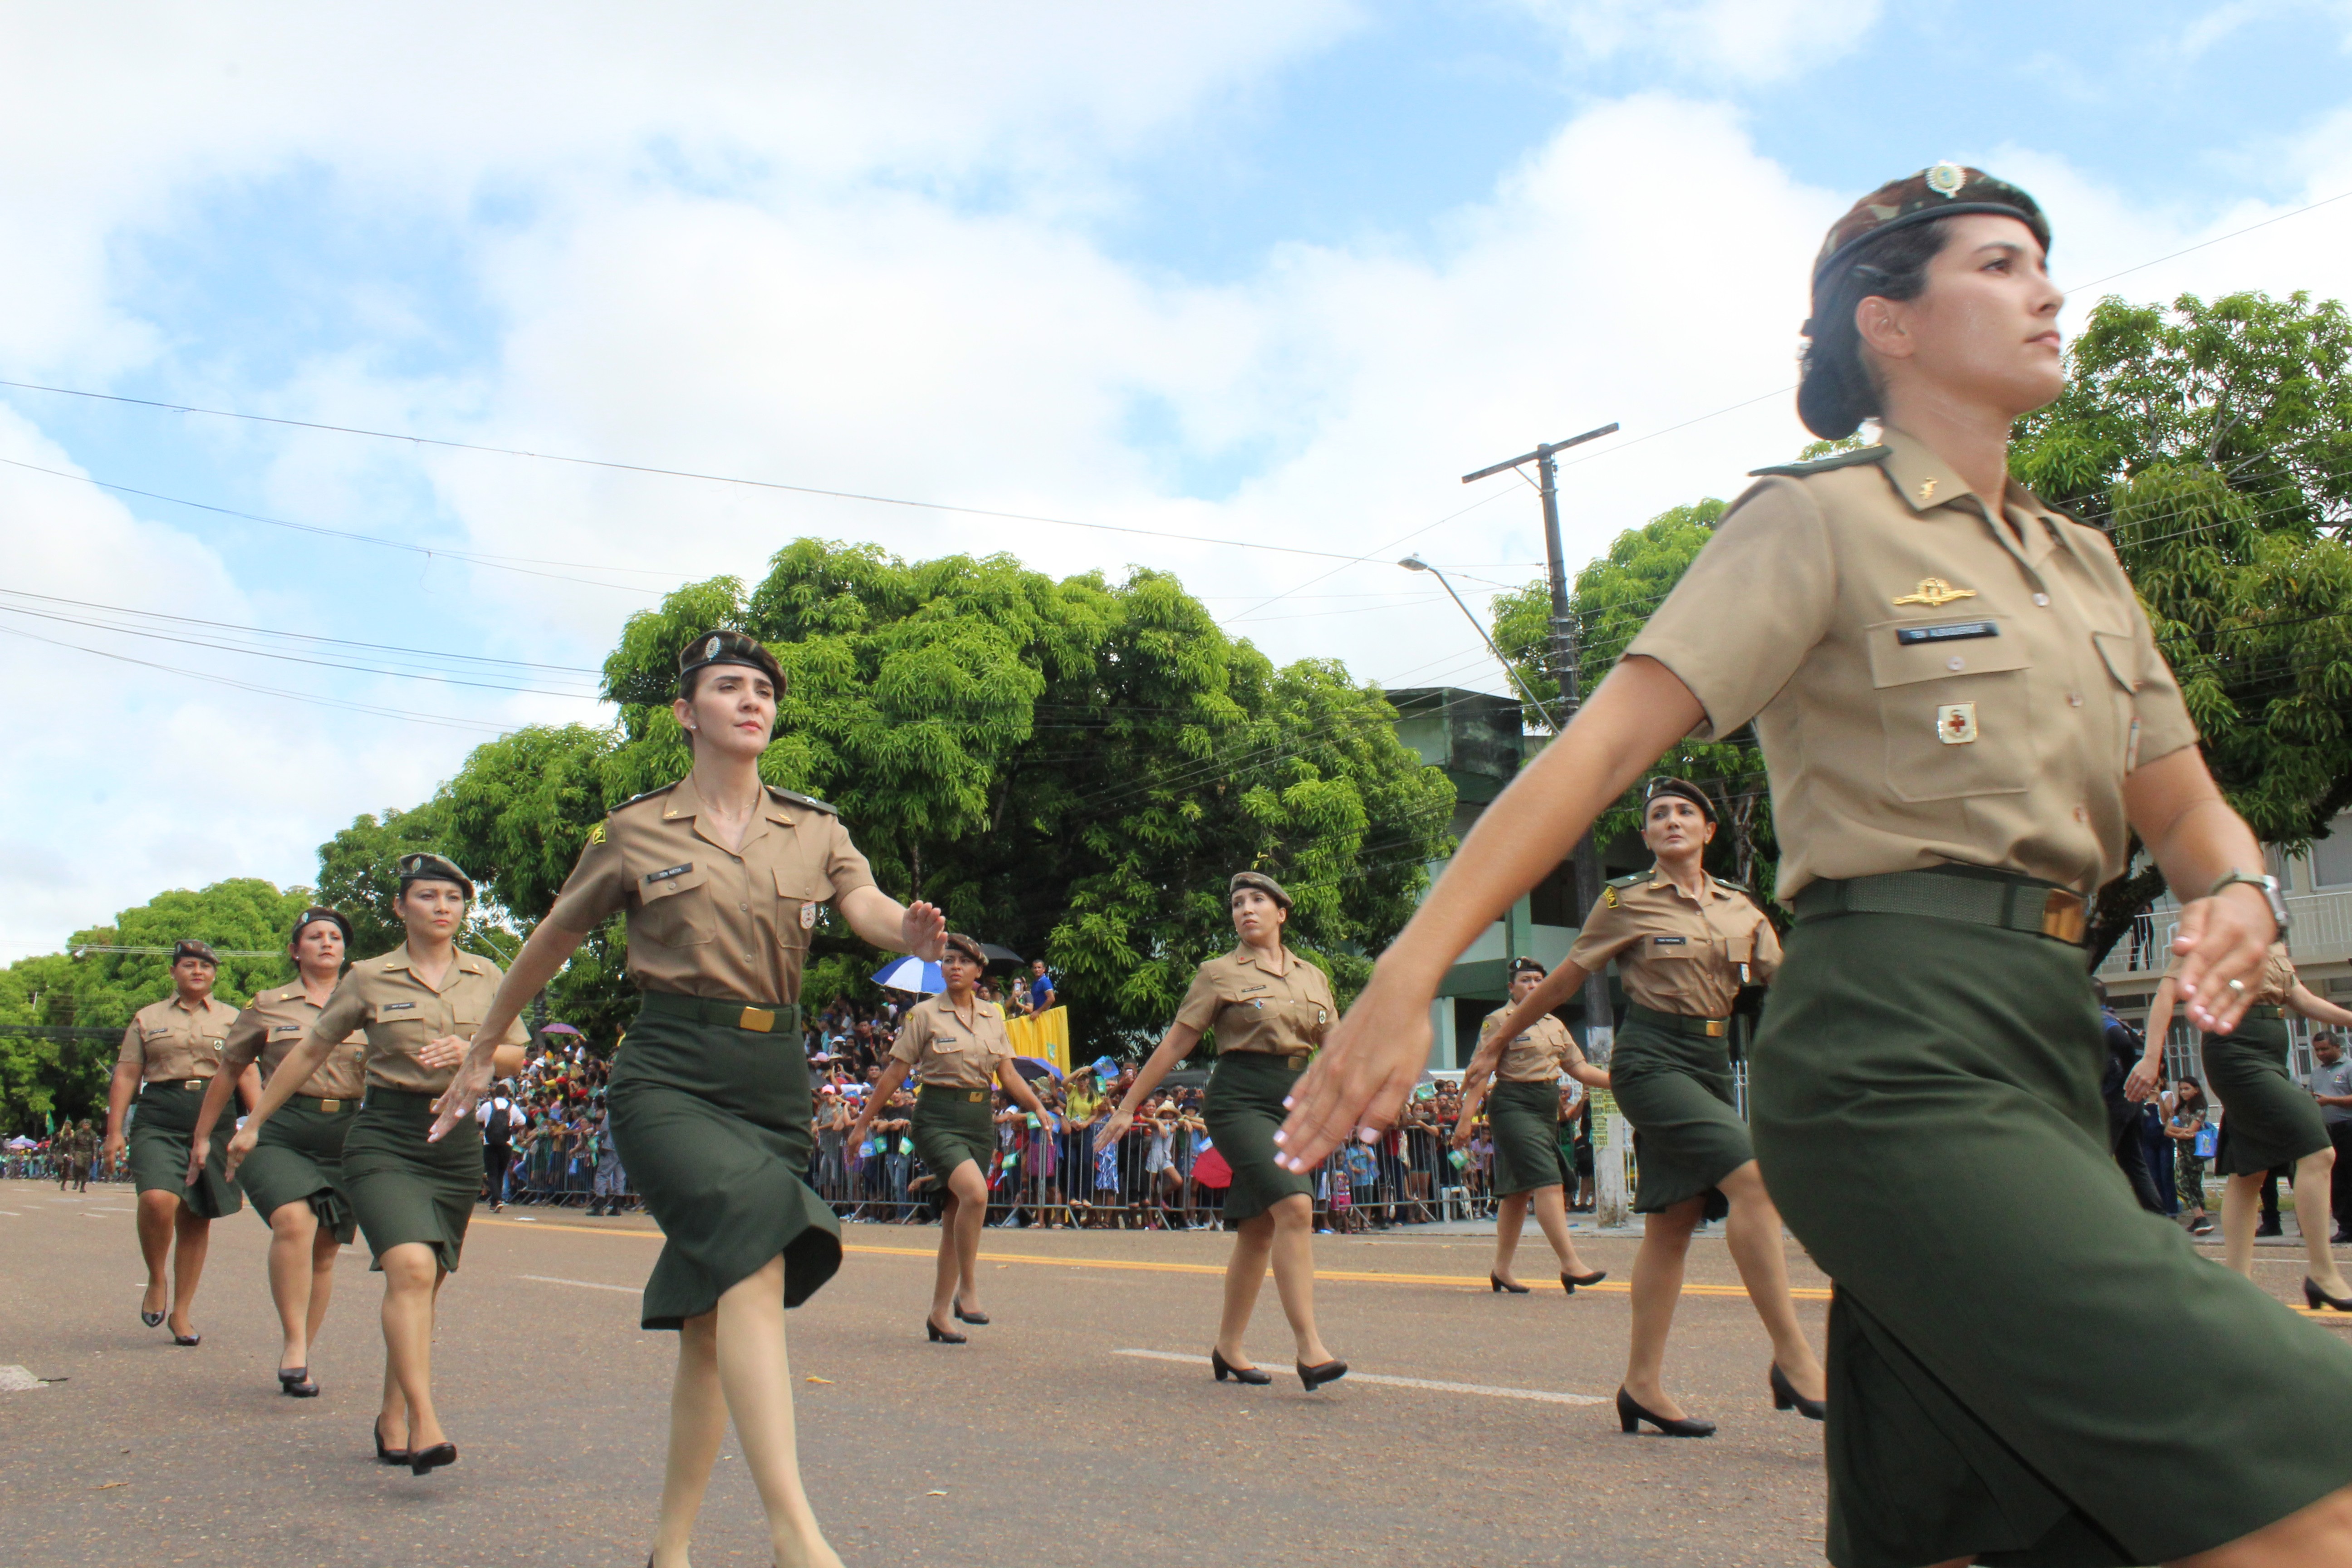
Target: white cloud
[[1745, 40]]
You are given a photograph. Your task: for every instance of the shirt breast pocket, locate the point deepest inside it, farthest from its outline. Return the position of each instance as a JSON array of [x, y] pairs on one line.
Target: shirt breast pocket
[[1953, 709], [799, 897], [674, 906], [400, 1026], [2119, 652]]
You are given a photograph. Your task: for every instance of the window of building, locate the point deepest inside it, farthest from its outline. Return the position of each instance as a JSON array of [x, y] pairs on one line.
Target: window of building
[[2331, 858]]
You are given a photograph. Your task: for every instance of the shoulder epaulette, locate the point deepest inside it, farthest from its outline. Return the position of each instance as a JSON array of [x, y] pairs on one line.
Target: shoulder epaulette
[[1628, 880], [807, 800], [659, 789], [1729, 886], [1822, 465]]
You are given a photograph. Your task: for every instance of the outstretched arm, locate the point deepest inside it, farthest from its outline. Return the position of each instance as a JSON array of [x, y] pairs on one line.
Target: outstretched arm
[[2318, 1009], [2178, 811], [2140, 1082], [1017, 1089], [1375, 1053], [884, 1088], [1175, 1047], [886, 922]]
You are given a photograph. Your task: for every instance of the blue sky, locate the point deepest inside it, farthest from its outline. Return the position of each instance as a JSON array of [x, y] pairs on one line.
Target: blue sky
[[1275, 271]]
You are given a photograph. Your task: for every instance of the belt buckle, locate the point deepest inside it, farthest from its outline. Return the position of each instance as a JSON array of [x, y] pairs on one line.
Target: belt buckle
[[1715, 1028], [759, 1020], [2064, 915], [330, 1107], [977, 1095], [194, 1083]]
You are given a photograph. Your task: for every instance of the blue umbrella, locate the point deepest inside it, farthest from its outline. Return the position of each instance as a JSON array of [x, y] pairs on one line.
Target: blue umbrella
[[911, 974]]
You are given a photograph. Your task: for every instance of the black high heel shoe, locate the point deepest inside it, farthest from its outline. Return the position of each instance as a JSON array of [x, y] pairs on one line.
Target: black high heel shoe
[[1225, 1369], [1315, 1377], [2313, 1295], [152, 1319], [1786, 1397], [384, 1456], [1631, 1415], [424, 1461], [295, 1381], [963, 1317], [1497, 1285], [940, 1336], [189, 1340], [1569, 1282]]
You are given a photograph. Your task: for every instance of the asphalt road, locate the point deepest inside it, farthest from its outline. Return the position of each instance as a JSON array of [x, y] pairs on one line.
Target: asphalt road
[[1043, 1441]]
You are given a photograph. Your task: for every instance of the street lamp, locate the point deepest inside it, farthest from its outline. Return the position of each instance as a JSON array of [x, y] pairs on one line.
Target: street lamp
[[1415, 563]]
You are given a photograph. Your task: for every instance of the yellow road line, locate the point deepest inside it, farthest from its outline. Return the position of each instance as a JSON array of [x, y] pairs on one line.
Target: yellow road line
[[1145, 1265]]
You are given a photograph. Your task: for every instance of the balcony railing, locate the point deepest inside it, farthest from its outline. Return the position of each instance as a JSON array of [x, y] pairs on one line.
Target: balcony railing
[[2321, 934]]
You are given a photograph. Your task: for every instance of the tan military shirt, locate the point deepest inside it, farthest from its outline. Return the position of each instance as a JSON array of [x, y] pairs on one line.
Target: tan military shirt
[[1675, 955], [169, 1043], [1537, 1055], [1928, 686], [274, 1024], [400, 1015], [1251, 1007], [950, 1050], [704, 920], [2271, 988]]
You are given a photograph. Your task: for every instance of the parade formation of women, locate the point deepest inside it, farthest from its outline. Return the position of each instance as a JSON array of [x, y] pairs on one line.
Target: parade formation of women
[[1965, 719]]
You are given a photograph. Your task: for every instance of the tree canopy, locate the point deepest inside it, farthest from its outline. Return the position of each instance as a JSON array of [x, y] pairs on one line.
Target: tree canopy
[[1071, 768]]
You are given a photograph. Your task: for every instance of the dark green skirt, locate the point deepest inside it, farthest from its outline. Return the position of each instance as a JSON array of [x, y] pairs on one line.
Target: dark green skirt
[[299, 1158], [162, 1134], [2010, 1329], [2267, 1117], [713, 1122], [1243, 1109], [951, 1127], [1525, 1120], [404, 1189], [1675, 1087]]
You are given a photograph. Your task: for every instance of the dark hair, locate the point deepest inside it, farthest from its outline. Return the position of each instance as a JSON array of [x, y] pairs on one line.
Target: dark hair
[[1834, 391], [2184, 1083]]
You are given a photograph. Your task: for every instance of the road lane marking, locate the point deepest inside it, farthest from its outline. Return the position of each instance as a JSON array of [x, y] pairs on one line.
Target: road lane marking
[[583, 1284], [1339, 1276], [1489, 1390]]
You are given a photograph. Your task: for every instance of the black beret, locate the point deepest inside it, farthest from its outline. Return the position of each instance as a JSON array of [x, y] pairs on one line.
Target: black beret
[[1682, 787], [312, 916], [1524, 965], [189, 947], [1944, 191], [1261, 882], [728, 647], [423, 868], [968, 946]]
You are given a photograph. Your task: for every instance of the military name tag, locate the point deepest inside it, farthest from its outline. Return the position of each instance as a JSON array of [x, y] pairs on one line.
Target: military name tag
[[1670, 941], [1956, 724], [1954, 631], [396, 1007], [664, 876]]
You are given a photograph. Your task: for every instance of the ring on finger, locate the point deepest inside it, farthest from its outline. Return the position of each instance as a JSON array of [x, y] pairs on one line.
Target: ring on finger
[[2237, 985]]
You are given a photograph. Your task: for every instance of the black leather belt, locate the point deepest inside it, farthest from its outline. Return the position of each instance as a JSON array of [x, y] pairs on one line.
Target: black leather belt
[[2265, 1010], [326, 1107], [760, 1018], [950, 1091], [1967, 894]]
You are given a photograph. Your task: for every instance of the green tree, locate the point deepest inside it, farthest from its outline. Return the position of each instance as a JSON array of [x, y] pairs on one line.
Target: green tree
[[359, 878], [86, 988], [2214, 441], [1611, 602], [1067, 767]]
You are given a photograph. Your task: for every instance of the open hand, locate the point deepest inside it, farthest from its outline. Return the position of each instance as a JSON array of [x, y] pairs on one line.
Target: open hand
[[1360, 1080], [1460, 1139], [2224, 939], [921, 930], [241, 1145], [2140, 1082], [199, 1150], [1111, 1131], [457, 1102]]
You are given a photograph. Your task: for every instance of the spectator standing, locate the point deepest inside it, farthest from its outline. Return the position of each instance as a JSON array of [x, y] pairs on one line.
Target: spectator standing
[[2331, 1085], [2190, 1126], [2125, 1048], [1042, 994]]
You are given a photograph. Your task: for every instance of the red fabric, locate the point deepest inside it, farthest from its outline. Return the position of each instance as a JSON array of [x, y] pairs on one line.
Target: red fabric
[[1211, 1170]]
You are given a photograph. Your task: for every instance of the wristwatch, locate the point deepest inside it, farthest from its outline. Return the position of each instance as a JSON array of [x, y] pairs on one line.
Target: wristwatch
[[2270, 891]]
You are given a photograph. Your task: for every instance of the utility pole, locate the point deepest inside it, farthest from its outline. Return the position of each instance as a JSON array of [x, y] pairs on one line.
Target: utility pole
[[1599, 1020]]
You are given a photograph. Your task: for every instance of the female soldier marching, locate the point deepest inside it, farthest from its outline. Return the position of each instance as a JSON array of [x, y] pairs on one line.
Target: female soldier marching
[[1965, 716], [170, 1053], [721, 879], [1269, 1009], [417, 1004], [295, 1176], [956, 1048], [2267, 1119], [1523, 1111], [1684, 943]]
